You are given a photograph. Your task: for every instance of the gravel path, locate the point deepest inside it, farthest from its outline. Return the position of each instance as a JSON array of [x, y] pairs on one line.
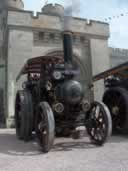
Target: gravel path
[[67, 155]]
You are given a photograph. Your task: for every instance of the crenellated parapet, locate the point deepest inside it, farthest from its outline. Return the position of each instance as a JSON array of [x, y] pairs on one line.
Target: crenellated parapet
[[117, 56], [42, 21], [118, 52], [53, 10], [12, 4]]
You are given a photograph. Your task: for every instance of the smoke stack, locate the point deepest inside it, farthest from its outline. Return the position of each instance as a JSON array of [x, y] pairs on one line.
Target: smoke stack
[[68, 50], [71, 7]]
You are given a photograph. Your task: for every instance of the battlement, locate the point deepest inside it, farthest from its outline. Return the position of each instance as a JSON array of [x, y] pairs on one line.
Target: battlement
[[44, 21], [13, 4], [53, 9], [118, 52]]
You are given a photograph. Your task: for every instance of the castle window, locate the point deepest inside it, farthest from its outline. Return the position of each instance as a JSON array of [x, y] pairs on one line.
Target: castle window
[[82, 39], [41, 35], [52, 36], [74, 39]]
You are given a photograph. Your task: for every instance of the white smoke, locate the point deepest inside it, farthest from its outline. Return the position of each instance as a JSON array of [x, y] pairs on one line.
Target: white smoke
[[72, 8]]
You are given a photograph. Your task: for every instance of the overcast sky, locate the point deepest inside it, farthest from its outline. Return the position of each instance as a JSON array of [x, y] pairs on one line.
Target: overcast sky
[[116, 11]]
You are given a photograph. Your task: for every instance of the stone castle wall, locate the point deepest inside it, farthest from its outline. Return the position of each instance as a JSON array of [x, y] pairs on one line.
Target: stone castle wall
[[23, 35], [42, 21]]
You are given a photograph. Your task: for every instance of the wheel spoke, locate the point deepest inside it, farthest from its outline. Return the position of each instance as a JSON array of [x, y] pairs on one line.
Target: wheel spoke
[[97, 112]]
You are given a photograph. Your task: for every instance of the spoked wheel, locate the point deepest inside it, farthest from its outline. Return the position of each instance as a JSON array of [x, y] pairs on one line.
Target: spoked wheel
[[45, 126], [117, 101], [99, 127], [23, 115]]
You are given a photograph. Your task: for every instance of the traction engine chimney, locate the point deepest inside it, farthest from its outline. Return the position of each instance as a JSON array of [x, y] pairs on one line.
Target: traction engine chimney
[[68, 50]]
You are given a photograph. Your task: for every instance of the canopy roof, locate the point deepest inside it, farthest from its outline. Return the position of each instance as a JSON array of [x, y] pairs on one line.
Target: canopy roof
[[120, 70], [34, 65]]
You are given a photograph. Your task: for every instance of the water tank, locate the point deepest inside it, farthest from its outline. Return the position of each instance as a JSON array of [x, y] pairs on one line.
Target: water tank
[[53, 9], [13, 4]]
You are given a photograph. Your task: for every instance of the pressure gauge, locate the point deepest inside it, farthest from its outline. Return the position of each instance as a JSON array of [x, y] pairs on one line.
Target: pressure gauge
[[57, 75]]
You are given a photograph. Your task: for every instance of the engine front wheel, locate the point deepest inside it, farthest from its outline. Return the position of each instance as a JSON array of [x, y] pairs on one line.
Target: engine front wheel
[[99, 126], [45, 126]]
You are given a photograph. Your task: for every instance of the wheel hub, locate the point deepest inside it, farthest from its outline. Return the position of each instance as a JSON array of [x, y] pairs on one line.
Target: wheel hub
[[115, 110]]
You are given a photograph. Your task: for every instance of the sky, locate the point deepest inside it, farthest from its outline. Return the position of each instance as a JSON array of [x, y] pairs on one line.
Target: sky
[[115, 11]]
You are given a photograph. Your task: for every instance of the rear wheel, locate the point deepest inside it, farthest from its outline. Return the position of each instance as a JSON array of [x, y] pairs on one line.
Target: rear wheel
[[45, 126], [23, 115], [117, 101], [99, 126]]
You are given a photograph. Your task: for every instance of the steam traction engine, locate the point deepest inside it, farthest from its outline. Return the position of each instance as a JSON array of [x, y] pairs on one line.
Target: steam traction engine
[[52, 102], [116, 95]]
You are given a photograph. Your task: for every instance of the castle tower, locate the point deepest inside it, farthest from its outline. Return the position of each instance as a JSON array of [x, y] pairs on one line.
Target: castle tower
[[11, 4], [53, 9], [5, 6]]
